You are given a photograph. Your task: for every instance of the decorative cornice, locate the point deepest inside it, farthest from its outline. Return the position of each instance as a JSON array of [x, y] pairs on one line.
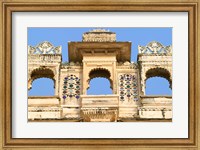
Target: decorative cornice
[[72, 63], [155, 48], [154, 109], [44, 109], [44, 58], [44, 48]]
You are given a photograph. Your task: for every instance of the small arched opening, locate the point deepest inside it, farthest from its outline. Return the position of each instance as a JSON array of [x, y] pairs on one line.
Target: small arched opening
[[99, 82], [158, 82], [42, 87], [41, 82]]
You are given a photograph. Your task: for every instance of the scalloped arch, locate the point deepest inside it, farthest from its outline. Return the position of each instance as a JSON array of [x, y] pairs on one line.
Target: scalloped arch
[[41, 72], [159, 72], [100, 72]]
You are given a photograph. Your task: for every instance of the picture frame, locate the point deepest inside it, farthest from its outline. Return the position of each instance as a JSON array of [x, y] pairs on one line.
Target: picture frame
[[8, 7]]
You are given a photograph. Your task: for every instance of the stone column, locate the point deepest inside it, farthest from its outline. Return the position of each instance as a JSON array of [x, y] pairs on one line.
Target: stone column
[[84, 82]]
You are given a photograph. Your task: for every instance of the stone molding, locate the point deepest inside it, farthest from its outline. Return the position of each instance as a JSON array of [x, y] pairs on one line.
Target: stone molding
[[155, 48], [44, 48], [99, 35]]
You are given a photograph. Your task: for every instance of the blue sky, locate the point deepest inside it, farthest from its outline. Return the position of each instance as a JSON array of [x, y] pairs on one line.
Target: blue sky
[[138, 36]]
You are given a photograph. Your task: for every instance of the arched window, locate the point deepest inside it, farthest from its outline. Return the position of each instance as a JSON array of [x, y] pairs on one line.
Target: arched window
[[41, 82], [99, 86], [99, 82], [42, 87], [158, 86], [158, 82]]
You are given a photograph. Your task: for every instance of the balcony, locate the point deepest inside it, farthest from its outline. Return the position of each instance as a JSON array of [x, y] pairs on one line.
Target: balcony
[[44, 107], [91, 101], [155, 107], [99, 108], [43, 101], [159, 101]]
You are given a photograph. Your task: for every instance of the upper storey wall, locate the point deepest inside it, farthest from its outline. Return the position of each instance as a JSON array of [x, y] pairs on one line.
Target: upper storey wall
[[154, 60], [99, 42], [44, 61], [99, 35]]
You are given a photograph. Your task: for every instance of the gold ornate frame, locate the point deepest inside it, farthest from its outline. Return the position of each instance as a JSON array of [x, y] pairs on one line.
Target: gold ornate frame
[[9, 6]]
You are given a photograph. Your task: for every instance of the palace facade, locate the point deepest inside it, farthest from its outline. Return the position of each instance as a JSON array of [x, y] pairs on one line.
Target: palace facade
[[99, 55]]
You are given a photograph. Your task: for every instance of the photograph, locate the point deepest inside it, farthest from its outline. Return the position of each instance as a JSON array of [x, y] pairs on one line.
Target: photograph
[[103, 74], [99, 74]]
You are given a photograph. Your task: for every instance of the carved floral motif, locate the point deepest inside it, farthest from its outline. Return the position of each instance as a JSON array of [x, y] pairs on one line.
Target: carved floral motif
[[44, 48], [154, 48]]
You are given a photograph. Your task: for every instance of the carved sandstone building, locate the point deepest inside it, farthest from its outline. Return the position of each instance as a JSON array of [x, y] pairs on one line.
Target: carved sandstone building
[[99, 55]]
